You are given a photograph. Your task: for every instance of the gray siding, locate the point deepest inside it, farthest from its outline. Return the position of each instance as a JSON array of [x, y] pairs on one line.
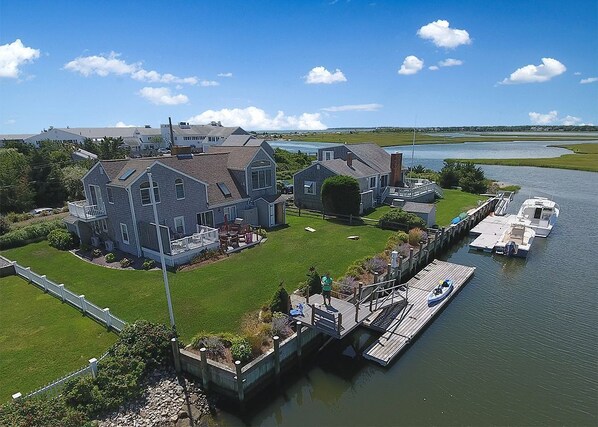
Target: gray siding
[[340, 152], [254, 194], [316, 173]]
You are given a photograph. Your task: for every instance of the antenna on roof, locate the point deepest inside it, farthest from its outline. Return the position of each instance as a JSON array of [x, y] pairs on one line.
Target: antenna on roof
[[171, 134]]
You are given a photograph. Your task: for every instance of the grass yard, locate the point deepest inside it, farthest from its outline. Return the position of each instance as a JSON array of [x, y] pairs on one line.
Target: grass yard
[[42, 339], [584, 157], [214, 297], [390, 138], [453, 203]]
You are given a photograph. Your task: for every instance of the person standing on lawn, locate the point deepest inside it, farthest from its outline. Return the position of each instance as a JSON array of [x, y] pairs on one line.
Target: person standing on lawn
[[326, 287]]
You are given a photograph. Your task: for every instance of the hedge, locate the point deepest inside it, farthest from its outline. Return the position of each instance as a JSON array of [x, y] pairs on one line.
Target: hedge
[[24, 235]]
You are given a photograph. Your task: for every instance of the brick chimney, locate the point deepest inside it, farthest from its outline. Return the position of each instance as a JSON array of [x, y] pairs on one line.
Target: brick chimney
[[396, 165], [350, 159]]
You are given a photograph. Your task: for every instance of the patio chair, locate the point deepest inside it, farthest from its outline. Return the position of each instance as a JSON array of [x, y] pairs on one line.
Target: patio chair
[[297, 311]]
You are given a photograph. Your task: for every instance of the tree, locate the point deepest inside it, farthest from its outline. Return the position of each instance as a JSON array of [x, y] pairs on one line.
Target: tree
[[340, 195], [15, 192], [71, 181], [448, 177]]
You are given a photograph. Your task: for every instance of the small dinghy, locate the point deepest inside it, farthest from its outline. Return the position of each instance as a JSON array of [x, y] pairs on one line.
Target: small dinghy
[[440, 292]]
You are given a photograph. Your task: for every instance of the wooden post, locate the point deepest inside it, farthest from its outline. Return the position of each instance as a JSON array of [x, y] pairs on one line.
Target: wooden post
[[388, 271], [239, 378], [205, 373], [276, 340], [313, 314], [299, 343], [307, 296], [93, 365], [410, 259], [340, 322], [376, 277], [61, 289], [107, 318], [176, 354], [44, 283]]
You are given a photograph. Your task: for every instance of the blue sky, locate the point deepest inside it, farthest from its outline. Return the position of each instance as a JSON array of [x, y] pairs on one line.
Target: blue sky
[[297, 65]]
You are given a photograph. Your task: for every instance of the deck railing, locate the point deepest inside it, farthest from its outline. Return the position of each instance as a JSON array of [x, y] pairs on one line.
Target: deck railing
[[204, 237], [82, 210]]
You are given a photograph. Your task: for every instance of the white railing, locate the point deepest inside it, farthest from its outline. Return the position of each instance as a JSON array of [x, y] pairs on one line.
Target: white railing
[[204, 237], [384, 194], [82, 210], [413, 192], [102, 315]]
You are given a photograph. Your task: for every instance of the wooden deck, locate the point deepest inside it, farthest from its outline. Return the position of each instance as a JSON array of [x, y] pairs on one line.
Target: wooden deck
[[489, 231], [402, 322]]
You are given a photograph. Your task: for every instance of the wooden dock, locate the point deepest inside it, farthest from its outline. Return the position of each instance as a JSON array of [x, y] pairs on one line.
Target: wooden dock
[[402, 322], [489, 231]]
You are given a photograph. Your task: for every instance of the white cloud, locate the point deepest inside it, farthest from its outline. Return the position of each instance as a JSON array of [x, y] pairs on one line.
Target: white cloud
[[411, 65], [256, 118], [442, 35], [536, 73], [162, 96], [354, 107], [207, 83], [433, 68], [577, 73], [552, 117], [225, 74], [13, 55], [104, 65], [450, 62], [588, 80], [100, 65], [123, 125], [320, 75], [543, 119]]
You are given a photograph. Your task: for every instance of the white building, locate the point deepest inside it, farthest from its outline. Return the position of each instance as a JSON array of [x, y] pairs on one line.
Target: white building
[[199, 137]]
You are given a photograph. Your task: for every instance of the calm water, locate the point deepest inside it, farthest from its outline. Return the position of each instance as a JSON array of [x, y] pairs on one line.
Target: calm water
[[518, 345], [433, 155]]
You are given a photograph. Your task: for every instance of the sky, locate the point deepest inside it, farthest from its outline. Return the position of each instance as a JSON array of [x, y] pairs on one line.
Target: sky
[[297, 65]]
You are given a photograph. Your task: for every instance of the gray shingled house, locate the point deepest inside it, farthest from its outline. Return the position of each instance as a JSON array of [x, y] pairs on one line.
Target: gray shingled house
[[194, 194], [374, 169]]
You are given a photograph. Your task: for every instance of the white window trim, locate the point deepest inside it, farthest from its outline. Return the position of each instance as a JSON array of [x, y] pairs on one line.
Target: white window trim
[[202, 216], [375, 181], [182, 218], [156, 187], [326, 153], [123, 227], [258, 170], [307, 185], [110, 192], [227, 210], [182, 184]]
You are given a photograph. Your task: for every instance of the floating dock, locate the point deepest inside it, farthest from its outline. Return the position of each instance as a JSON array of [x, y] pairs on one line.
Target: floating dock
[[402, 322], [489, 231]]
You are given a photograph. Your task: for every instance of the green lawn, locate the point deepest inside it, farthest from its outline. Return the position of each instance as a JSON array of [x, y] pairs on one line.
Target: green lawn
[[390, 138], [214, 297], [453, 203], [584, 157], [42, 339]]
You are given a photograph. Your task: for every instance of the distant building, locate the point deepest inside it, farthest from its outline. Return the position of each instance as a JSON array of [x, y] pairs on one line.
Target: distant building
[[199, 137]]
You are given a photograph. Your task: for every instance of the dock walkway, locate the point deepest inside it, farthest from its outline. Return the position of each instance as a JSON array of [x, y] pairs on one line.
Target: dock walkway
[[489, 232], [402, 322]]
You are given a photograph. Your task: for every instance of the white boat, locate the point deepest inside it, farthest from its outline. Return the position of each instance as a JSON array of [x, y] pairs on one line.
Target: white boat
[[440, 292], [540, 214], [516, 240]]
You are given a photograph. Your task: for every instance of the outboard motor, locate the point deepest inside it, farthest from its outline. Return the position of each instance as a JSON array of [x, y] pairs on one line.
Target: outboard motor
[[511, 248]]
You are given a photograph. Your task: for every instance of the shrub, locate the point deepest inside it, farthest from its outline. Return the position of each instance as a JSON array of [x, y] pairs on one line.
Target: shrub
[[347, 285], [96, 253], [61, 239], [281, 325], [280, 300], [398, 218], [415, 236], [214, 345], [110, 257], [40, 412], [84, 247], [125, 262], [148, 264], [313, 283], [4, 225], [356, 268], [18, 217], [256, 332], [396, 239], [376, 264], [22, 236], [261, 232], [404, 249], [340, 195], [240, 350]]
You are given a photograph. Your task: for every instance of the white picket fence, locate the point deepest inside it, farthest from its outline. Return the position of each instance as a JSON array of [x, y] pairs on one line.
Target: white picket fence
[[78, 301]]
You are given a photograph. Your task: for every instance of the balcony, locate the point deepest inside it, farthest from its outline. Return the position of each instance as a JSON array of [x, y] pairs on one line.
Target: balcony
[[86, 212], [205, 238]]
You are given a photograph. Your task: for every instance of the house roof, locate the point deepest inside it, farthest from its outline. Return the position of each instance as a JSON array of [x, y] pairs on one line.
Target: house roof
[[112, 132], [239, 157], [209, 168], [358, 169], [373, 155], [206, 130], [16, 137], [418, 207]]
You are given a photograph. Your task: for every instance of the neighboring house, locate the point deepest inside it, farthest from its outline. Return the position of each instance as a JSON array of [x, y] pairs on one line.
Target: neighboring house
[[14, 138], [199, 137], [138, 138], [248, 141], [374, 169], [194, 196], [80, 155]]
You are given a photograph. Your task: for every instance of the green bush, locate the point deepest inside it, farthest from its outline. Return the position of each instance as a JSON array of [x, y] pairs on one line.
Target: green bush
[[357, 267], [40, 412], [280, 300], [18, 217], [22, 236], [148, 264], [398, 218], [415, 236], [314, 281], [61, 239], [110, 257], [125, 262], [395, 240], [241, 350], [341, 195], [96, 253], [4, 225]]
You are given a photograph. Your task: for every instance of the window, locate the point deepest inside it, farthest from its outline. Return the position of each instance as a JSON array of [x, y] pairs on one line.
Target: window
[[224, 189], [206, 218], [384, 181], [145, 194], [179, 224], [110, 195], [104, 225], [373, 182], [309, 187], [180, 188], [261, 178], [328, 155], [230, 212], [124, 233]]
